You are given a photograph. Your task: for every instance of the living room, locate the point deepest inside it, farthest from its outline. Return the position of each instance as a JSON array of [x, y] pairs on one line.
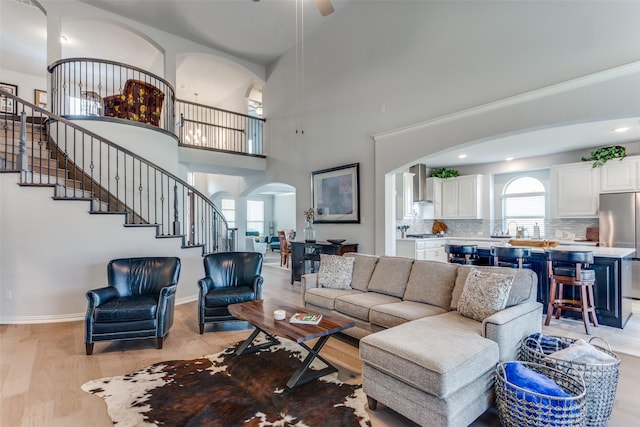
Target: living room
[[409, 71]]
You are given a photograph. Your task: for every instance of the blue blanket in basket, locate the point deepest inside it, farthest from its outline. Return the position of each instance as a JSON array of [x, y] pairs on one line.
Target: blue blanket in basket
[[527, 379], [541, 393], [547, 343]]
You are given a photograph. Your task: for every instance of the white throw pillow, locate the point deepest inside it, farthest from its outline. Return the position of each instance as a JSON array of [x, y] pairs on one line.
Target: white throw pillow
[[484, 294], [335, 271]]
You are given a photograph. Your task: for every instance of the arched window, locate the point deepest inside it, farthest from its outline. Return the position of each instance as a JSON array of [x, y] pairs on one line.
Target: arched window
[[523, 205]]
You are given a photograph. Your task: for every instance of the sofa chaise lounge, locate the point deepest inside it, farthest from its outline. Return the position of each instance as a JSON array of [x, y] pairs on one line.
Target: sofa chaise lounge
[[422, 355]]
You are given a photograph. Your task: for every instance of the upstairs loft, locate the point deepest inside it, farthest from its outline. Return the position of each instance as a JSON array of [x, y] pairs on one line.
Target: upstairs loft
[[96, 90]]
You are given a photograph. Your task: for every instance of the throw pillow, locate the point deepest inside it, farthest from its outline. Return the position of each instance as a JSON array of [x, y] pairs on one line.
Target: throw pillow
[[335, 271], [484, 294]]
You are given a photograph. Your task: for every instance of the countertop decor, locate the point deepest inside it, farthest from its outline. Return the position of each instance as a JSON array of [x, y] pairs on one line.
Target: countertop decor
[[534, 243]]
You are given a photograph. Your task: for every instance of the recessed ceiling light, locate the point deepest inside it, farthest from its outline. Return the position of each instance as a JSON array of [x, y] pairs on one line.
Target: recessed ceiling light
[[508, 159], [462, 156], [621, 129]]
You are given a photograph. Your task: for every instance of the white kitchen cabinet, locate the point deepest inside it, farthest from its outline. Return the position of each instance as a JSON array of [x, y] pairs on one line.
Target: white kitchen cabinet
[[620, 175], [434, 189], [576, 187], [462, 197], [421, 249]]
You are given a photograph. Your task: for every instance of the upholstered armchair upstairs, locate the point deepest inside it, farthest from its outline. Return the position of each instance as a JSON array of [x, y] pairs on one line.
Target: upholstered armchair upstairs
[[230, 278], [138, 302], [139, 101]]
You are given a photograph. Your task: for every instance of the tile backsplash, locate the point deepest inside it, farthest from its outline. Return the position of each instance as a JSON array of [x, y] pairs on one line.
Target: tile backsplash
[[574, 228]]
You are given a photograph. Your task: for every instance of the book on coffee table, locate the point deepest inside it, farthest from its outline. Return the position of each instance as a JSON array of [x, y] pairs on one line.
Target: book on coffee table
[[306, 318]]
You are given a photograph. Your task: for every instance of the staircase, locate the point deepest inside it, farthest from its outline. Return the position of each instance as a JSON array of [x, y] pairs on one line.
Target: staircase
[[47, 150]]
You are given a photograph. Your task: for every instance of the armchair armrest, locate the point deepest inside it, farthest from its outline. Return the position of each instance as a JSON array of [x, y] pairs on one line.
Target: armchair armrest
[[509, 326], [308, 281], [99, 296], [257, 286], [205, 284], [166, 303]]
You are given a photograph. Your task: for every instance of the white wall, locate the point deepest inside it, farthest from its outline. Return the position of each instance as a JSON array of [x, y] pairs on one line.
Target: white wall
[[26, 83], [284, 212], [392, 68], [52, 252]]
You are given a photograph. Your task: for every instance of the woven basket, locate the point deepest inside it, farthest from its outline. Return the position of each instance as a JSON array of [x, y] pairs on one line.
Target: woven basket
[[601, 381], [518, 407]]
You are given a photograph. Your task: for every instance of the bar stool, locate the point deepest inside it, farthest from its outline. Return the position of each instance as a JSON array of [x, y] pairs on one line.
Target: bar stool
[[571, 268], [508, 256], [461, 254]]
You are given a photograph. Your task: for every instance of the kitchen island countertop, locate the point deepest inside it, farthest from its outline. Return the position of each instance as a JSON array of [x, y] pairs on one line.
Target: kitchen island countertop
[[598, 251]]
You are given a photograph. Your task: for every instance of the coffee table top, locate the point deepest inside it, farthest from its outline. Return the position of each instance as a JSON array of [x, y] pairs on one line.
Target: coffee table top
[[260, 314]]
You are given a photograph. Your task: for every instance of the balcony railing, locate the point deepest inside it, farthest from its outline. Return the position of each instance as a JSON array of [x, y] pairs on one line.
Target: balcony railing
[[85, 87], [211, 128], [49, 150]]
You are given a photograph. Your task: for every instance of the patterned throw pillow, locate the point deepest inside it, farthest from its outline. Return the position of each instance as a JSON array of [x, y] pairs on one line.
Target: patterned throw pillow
[[335, 271], [484, 294]]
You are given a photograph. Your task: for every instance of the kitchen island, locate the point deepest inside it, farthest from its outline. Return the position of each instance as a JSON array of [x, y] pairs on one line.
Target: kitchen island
[[612, 291]]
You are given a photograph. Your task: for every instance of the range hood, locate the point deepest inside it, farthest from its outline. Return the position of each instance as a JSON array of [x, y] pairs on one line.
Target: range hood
[[420, 191]]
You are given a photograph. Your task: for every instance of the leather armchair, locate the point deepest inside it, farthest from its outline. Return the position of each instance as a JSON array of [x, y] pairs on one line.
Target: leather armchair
[[138, 302], [230, 277]]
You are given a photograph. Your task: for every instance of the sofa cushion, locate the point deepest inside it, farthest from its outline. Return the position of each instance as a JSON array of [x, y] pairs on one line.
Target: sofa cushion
[[396, 313], [325, 297], [335, 272], [523, 289], [431, 282], [363, 267], [390, 275], [437, 360], [358, 305]]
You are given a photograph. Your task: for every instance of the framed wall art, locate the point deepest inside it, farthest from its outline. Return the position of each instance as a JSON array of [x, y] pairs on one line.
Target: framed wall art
[[335, 194], [7, 105], [40, 98]]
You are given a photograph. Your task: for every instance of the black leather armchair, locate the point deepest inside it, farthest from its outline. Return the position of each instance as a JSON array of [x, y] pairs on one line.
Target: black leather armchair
[[230, 277], [137, 303]]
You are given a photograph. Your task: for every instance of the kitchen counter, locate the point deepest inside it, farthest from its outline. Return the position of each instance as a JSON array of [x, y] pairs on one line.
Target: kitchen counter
[[568, 245]]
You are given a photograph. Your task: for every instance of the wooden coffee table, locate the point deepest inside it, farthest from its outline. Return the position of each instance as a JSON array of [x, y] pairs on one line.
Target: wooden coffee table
[[260, 315]]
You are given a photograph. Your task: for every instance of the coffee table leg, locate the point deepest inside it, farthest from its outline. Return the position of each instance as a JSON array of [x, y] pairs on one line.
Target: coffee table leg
[[303, 374], [248, 347]]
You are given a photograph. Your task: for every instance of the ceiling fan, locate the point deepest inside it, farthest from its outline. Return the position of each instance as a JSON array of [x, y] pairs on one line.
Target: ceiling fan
[[324, 6]]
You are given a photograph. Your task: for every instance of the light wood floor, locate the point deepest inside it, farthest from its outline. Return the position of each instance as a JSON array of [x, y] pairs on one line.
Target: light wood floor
[[43, 366]]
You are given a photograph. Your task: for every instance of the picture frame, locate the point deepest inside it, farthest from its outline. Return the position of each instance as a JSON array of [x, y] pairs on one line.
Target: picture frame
[[335, 194], [7, 105], [40, 98]]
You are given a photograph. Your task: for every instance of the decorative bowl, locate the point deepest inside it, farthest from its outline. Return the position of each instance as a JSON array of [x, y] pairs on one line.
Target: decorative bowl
[[336, 241]]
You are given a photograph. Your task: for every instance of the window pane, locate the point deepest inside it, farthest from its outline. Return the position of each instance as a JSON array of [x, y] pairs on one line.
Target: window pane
[[525, 184], [229, 211], [255, 216], [523, 204]]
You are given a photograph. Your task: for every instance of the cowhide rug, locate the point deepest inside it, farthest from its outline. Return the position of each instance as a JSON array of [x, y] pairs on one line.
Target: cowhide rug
[[225, 390]]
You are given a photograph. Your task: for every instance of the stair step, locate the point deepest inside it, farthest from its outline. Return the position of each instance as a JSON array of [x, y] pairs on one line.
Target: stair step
[[7, 152], [38, 162], [34, 178], [29, 142]]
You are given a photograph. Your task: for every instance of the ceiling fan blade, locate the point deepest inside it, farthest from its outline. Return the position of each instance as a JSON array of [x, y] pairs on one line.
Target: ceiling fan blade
[[325, 7]]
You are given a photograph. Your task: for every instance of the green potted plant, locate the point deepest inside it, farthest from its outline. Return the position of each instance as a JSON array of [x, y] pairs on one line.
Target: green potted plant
[[602, 155], [445, 173]]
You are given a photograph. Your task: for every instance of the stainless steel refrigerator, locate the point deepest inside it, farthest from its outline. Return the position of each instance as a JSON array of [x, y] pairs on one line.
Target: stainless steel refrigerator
[[620, 227]]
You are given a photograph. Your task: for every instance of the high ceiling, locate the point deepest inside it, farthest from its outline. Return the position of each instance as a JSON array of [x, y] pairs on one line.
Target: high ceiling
[[255, 31]]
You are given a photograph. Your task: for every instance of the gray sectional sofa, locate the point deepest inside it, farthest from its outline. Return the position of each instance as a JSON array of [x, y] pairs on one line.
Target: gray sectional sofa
[[421, 357]]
